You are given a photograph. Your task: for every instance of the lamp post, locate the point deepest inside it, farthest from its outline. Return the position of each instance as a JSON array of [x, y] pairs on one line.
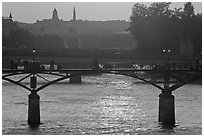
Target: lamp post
[[166, 55], [164, 52], [33, 55], [33, 79], [168, 52]]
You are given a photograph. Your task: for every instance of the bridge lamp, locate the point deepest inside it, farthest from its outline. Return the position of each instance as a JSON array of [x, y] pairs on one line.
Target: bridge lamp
[[164, 51], [34, 54], [168, 56], [33, 50]]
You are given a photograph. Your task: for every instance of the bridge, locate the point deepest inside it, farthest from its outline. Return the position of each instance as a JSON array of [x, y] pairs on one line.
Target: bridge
[[171, 79]]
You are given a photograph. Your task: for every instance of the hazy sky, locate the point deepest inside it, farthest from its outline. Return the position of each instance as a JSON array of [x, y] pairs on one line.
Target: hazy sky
[[31, 11]]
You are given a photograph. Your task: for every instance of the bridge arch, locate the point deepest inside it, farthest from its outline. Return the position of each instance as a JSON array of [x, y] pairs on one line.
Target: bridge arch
[[93, 72], [17, 83], [170, 89], [62, 77], [74, 74]]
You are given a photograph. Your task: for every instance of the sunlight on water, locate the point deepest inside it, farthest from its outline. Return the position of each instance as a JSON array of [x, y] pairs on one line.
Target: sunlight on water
[[115, 107], [120, 85], [118, 113]]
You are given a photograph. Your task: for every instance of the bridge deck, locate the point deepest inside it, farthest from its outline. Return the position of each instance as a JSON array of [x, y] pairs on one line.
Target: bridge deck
[[101, 70]]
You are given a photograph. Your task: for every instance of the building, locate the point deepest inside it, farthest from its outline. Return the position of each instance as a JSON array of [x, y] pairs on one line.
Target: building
[[8, 24]]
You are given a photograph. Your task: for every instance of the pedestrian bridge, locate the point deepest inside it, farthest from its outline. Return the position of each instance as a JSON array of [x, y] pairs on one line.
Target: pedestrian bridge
[[171, 79], [177, 78]]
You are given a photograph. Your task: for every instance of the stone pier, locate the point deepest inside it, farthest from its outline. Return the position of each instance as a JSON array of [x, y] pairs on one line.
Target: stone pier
[[33, 104], [166, 103], [75, 79], [33, 109], [166, 109]]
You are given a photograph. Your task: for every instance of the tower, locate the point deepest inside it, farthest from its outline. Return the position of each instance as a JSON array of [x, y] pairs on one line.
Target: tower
[[54, 15], [10, 16], [74, 15]]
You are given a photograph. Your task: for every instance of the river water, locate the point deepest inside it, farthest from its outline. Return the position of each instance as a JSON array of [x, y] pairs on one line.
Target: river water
[[105, 104]]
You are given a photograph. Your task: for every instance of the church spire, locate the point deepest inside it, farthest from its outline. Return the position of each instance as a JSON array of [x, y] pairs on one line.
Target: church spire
[[10, 16], [54, 15], [74, 15]]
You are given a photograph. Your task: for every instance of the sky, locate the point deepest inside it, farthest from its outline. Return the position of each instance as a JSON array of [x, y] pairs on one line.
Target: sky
[[29, 12]]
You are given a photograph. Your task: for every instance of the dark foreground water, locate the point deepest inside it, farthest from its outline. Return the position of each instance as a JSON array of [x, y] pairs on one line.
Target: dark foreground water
[[106, 104]]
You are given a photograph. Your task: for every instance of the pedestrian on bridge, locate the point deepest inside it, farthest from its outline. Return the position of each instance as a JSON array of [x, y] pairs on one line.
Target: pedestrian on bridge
[[12, 64], [25, 64], [51, 65], [96, 64], [16, 64]]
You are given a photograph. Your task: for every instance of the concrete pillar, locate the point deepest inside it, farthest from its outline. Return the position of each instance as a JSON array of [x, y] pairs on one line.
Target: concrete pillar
[[33, 109], [33, 82], [76, 79], [166, 109]]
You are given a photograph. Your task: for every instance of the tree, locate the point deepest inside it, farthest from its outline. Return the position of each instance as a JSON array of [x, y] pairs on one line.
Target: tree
[[157, 27], [188, 9], [18, 38], [191, 27], [138, 21], [153, 27]]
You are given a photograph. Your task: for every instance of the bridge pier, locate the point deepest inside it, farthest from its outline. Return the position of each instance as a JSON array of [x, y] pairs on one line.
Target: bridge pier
[[166, 103], [33, 104], [75, 79], [33, 109], [166, 109]]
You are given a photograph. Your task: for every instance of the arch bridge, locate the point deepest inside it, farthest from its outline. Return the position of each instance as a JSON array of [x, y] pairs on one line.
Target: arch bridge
[[171, 79]]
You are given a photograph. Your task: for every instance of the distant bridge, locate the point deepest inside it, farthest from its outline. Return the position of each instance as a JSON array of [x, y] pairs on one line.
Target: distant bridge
[[74, 58]]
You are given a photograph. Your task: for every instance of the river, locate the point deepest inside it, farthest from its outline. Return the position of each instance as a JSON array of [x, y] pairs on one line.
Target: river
[[105, 104]]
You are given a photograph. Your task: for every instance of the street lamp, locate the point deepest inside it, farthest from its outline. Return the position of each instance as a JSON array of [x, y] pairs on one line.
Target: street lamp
[[166, 55], [33, 79], [168, 52], [166, 67], [164, 51], [33, 54]]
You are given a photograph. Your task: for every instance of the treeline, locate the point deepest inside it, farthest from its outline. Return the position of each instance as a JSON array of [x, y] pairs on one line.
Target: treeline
[[20, 38], [157, 27], [101, 27], [108, 41]]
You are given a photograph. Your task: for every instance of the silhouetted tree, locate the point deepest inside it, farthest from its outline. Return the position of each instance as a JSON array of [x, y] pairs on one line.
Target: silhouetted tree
[[157, 27], [152, 26], [188, 10], [191, 27], [18, 38]]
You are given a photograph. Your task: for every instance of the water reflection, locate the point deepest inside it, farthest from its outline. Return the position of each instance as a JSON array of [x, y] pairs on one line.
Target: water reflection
[[122, 113], [121, 85]]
